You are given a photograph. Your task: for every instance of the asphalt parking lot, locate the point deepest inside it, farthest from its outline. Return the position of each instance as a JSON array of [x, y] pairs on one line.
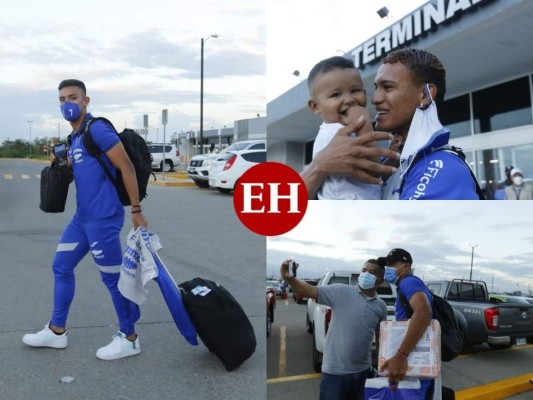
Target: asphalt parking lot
[[481, 375], [198, 230]]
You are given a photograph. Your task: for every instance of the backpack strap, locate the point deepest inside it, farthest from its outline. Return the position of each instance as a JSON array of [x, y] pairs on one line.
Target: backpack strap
[[93, 149], [459, 153], [453, 150], [405, 304]]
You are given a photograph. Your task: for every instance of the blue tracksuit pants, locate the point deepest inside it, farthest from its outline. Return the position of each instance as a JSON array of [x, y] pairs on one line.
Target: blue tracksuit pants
[[102, 239]]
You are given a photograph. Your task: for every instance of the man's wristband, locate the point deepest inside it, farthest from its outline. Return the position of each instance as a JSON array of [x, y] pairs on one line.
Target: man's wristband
[[137, 211], [403, 353]]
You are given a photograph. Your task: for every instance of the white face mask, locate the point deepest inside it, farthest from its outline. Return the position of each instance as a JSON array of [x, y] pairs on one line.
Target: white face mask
[[518, 180], [424, 125], [367, 280]]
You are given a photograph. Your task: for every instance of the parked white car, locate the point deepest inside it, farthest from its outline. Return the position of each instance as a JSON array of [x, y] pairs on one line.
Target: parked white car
[[171, 156], [199, 166], [319, 316], [227, 168]]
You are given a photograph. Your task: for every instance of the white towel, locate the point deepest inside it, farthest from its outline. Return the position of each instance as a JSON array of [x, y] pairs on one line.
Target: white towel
[[138, 265]]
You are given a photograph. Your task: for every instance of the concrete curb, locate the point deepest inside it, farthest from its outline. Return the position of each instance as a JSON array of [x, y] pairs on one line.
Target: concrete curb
[[497, 390], [171, 183], [173, 179]]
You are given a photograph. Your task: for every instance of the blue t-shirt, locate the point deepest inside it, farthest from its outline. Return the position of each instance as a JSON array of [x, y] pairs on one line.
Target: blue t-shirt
[[409, 286], [439, 175], [96, 196]]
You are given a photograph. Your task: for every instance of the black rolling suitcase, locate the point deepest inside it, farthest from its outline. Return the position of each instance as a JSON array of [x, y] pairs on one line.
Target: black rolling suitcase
[[220, 321]]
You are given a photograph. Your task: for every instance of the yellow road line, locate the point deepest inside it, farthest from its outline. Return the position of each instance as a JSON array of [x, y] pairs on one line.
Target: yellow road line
[[8, 176], [497, 390], [294, 378], [282, 366]]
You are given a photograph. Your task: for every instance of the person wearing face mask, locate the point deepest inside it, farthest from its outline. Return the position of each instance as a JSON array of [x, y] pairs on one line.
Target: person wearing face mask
[[94, 228], [398, 272], [357, 312], [518, 190]]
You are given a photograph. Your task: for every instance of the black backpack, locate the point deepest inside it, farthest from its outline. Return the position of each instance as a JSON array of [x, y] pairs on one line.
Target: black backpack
[[137, 151], [451, 335]]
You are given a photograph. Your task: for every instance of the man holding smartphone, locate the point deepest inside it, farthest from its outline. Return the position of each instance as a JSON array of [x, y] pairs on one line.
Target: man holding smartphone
[[95, 226], [358, 312], [60, 154]]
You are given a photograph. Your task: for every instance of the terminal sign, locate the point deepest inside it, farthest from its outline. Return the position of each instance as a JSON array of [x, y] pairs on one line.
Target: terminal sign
[[415, 24]]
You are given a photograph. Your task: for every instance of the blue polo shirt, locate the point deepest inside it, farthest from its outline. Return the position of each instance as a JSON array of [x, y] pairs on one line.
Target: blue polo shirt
[[409, 286], [96, 196]]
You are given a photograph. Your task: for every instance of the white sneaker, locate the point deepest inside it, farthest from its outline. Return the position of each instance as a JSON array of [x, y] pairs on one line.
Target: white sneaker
[[46, 338], [119, 347]]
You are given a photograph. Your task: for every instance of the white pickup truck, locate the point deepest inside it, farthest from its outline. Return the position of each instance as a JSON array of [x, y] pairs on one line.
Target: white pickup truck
[[319, 316]]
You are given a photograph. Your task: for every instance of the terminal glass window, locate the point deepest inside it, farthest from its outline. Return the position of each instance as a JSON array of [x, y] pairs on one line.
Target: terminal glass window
[[454, 114], [502, 106], [490, 168]]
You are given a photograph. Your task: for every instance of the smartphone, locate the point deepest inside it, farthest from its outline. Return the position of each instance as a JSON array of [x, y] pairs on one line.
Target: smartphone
[[294, 266], [60, 152]]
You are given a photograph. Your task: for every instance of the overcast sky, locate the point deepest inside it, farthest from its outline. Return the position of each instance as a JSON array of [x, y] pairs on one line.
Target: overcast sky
[[303, 32], [344, 234], [136, 57]]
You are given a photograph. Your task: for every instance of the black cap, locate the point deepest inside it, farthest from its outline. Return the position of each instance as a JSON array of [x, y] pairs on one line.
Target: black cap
[[396, 255]]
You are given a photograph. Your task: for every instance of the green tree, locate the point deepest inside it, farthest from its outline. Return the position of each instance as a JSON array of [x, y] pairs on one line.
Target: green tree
[[20, 148]]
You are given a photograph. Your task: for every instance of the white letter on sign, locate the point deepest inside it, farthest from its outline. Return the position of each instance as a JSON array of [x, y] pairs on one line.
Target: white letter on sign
[[248, 197], [293, 197]]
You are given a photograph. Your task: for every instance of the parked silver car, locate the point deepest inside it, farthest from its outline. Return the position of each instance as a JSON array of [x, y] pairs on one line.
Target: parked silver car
[[171, 154]]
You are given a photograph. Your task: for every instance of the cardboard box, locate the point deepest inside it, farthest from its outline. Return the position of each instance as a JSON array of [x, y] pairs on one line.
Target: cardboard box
[[424, 361]]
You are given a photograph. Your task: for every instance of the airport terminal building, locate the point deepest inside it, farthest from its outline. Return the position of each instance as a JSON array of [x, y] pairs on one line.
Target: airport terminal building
[[486, 47]]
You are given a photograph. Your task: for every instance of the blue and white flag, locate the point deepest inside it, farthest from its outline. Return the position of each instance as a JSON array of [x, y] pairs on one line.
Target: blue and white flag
[[140, 265], [172, 297]]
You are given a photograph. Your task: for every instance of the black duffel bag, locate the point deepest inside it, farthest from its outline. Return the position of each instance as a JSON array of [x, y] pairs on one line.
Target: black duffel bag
[[54, 188]]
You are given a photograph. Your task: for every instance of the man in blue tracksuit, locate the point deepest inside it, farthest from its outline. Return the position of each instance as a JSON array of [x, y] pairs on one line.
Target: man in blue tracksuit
[[94, 228], [419, 164]]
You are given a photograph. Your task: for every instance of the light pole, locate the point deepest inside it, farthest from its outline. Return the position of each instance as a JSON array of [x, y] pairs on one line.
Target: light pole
[[214, 35], [30, 122], [472, 259]]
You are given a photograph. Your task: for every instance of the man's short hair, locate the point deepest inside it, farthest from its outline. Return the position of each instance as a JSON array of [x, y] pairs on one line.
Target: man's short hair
[[336, 62], [424, 66], [376, 262], [73, 82]]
